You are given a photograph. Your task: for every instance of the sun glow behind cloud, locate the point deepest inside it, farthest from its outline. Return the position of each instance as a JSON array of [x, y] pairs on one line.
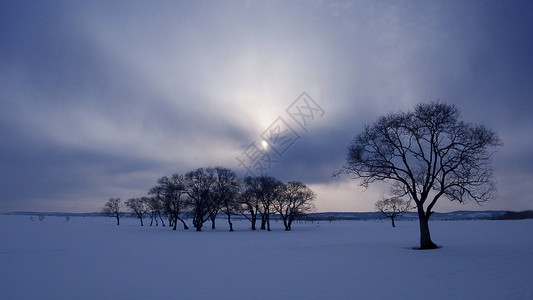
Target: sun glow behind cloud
[[244, 82], [117, 95]]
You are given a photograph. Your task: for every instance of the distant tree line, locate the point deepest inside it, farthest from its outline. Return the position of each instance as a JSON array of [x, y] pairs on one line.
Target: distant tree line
[[515, 215], [204, 193]]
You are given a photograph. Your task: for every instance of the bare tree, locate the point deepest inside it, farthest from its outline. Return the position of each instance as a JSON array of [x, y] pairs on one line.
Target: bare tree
[[392, 208], [293, 199], [225, 191], [113, 209], [264, 189], [216, 196], [138, 207], [426, 154], [177, 193], [248, 204], [155, 206], [200, 184], [158, 193], [172, 193]]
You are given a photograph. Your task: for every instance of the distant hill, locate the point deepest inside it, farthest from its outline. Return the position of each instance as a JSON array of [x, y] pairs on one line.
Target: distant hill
[[512, 215]]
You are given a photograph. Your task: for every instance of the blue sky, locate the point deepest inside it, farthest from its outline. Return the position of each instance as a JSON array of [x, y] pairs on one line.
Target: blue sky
[[100, 99]]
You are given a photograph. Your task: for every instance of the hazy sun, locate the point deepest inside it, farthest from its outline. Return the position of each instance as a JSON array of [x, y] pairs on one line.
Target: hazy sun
[[265, 144]]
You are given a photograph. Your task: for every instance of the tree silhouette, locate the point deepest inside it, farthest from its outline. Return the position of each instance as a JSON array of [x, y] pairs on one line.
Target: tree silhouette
[[225, 191], [248, 204], [171, 191], [294, 199], [199, 185], [392, 208], [113, 209], [155, 206], [265, 190], [425, 154], [138, 207]]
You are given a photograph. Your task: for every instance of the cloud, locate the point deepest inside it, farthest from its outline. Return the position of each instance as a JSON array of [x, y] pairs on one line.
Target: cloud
[[99, 99]]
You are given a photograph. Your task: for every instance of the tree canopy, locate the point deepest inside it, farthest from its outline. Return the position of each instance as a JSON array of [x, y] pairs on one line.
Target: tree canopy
[[426, 154]]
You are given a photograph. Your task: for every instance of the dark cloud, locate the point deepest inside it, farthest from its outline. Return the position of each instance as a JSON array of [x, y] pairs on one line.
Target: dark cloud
[[99, 99]]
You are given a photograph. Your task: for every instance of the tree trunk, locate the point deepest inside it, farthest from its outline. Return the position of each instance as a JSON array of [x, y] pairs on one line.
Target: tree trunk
[[254, 220], [425, 237], [268, 221], [263, 222], [229, 222], [197, 222], [392, 220], [212, 222], [183, 222], [175, 222], [287, 228], [142, 224], [118, 220], [289, 223]]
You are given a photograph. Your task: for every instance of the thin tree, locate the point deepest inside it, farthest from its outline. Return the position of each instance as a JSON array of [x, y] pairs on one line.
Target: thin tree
[[138, 207], [172, 193], [293, 200], [265, 189], [226, 191], [113, 209], [426, 154], [248, 204], [155, 206], [158, 193], [393, 208], [216, 194]]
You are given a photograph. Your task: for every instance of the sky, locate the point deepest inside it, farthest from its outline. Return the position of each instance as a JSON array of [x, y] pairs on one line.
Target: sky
[[98, 99]]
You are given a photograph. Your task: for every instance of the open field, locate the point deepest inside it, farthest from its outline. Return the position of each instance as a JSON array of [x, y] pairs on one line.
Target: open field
[[91, 258]]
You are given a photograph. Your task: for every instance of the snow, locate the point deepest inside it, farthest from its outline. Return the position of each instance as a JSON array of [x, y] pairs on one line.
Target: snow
[[91, 258]]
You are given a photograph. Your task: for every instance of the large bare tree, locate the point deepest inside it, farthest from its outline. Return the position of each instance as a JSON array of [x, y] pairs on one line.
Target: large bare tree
[[113, 209], [426, 154]]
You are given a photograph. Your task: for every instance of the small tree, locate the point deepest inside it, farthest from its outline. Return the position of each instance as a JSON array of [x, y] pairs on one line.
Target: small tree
[[113, 209], [155, 206], [171, 191], [392, 208], [199, 186], [225, 192], [138, 207], [293, 199], [248, 204], [265, 189]]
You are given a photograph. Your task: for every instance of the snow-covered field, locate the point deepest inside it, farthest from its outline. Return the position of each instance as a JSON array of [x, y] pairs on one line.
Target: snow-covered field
[[91, 258]]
